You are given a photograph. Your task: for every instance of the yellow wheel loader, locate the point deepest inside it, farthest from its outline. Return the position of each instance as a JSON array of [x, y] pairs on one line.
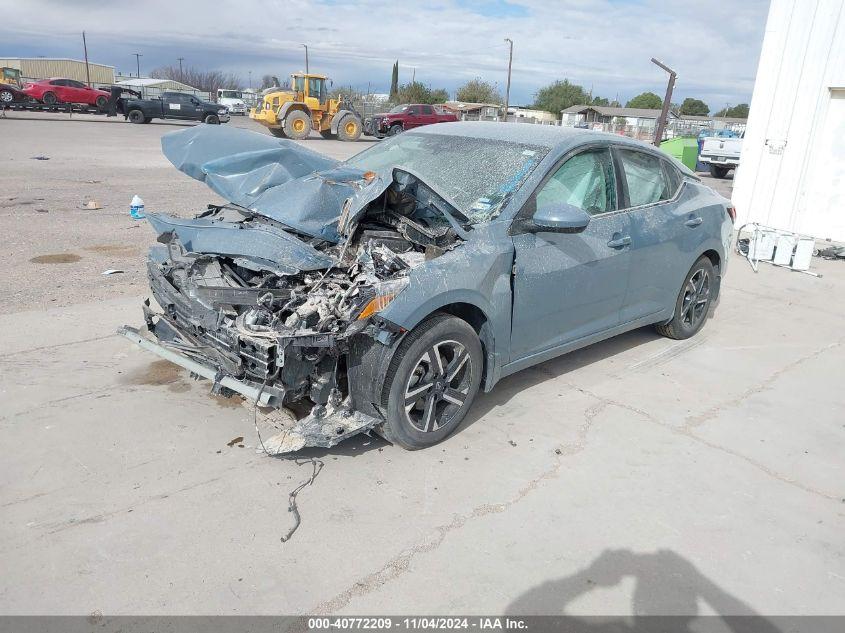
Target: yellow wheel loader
[[293, 112]]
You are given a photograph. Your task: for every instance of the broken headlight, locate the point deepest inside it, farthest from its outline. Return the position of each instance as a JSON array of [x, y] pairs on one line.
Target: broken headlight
[[385, 293]]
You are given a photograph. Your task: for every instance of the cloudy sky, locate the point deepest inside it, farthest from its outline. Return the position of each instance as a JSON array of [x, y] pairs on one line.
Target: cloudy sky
[[605, 45]]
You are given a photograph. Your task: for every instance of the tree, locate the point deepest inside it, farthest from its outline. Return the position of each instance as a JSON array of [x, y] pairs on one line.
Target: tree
[[205, 80], [394, 82], [647, 100], [599, 101], [478, 91], [416, 92], [694, 107], [269, 81], [738, 111], [559, 96]]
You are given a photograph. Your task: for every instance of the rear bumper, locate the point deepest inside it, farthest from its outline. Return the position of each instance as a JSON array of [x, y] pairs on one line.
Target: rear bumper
[[723, 161]]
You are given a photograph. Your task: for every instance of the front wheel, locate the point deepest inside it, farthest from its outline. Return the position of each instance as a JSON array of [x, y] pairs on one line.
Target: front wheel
[[101, 103], [394, 130], [297, 125], [693, 304], [6, 96], [349, 128], [433, 378], [212, 119], [49, 99], [136, 116]]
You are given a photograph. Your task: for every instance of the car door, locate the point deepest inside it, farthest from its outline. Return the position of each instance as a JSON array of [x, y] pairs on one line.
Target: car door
[[427, 116], [412, 117], [78, 92], [567, 286], [664, 226], [60, 88]]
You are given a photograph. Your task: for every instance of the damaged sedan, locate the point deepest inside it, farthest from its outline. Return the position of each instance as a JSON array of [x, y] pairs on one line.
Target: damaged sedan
[[382, 293]]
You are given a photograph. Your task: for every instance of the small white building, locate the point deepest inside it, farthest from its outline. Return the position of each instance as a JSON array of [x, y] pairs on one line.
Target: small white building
[[791, 174], [529, 115]]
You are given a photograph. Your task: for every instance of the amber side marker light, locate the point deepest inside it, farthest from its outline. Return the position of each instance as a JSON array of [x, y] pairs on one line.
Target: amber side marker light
[[376, 304], [369, 176]]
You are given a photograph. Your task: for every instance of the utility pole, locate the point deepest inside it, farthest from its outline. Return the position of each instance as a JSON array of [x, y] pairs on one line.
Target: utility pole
[[306, 59], [181, 76], [138, 57], [414, 74], [250, 79], [87, 68], [508, 88], [667, 101]]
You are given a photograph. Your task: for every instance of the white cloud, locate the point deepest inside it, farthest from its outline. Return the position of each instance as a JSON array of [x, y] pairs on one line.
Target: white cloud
[[606, 44]]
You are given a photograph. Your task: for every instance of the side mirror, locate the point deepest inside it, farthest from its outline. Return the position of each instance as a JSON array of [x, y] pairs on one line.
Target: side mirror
[[560, 218]]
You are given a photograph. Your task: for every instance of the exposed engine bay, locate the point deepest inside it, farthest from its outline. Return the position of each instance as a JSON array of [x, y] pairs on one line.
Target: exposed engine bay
[[293, 317]]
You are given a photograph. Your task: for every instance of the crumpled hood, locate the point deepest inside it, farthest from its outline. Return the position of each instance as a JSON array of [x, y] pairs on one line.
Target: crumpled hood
[[276, 178]]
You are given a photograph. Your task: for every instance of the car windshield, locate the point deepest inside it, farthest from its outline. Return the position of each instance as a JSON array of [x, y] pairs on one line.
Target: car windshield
[[478, 175], [230, 94], [398, 109]]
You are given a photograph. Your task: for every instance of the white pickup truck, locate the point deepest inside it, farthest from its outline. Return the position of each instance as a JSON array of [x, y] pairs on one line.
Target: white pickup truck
[[721, 154], [233, 100]]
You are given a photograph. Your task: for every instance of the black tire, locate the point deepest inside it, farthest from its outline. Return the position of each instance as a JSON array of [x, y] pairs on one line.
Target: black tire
[[297, 125], [136, 116], [694, 303], [7, 97], [102, 103], [718, 172], [49, 98], [349, 128], [277, 132], [327, 134], [432, 414], [395, 129], [211, 119]]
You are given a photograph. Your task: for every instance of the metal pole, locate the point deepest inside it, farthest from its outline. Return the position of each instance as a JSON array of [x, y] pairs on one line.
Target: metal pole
[[138, 57], [306, 59], [181, 76], [250, 79], [414, 74], [667, 101], [87, 68], [508, 88]]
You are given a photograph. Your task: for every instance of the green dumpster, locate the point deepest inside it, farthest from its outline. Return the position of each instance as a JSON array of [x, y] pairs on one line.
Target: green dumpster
[[685, 149]]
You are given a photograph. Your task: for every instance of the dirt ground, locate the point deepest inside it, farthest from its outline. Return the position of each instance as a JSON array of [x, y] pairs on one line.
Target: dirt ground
[[637, 476]]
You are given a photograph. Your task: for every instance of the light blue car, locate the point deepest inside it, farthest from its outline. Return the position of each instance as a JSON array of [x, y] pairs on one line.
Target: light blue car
[[385, 291]]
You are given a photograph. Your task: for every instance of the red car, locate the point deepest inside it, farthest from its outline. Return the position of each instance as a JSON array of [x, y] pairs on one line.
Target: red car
[[57, 90]]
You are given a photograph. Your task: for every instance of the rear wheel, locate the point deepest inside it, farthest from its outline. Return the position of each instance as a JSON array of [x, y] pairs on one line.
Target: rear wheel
[[434, 377], [693, 304], [277, 132], [297, 125], [349, 128], [718, 172], [212, 119], [136, 116], [49, 98]]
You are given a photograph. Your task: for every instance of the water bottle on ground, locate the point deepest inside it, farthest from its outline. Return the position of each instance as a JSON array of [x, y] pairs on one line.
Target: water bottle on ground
[[136, 208]]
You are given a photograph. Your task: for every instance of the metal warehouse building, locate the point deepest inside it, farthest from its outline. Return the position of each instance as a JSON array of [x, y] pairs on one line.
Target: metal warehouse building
[[792, 172], [45, 68]]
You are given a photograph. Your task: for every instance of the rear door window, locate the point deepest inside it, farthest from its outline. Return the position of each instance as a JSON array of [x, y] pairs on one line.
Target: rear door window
[[426, 109], [644, 176]]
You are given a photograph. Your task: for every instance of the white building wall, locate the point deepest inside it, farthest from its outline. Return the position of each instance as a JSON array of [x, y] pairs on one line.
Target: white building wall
[[792, 172]]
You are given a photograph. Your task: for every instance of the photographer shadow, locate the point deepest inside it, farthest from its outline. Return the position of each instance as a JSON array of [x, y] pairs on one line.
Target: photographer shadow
[[667, 585]]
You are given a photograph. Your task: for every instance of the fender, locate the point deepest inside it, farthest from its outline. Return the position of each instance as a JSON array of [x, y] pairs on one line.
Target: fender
[[336, 119], [283, 110]]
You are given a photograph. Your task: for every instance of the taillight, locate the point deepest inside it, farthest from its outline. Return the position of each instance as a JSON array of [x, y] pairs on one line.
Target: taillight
[[732, 212]]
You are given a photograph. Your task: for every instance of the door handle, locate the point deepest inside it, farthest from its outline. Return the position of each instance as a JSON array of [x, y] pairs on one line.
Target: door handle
[[692, 222], [619, 242]]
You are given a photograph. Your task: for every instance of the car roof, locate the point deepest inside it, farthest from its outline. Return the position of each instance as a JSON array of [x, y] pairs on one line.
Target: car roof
[[558, 139]]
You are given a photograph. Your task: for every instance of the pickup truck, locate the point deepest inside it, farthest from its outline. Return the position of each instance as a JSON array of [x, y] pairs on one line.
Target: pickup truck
[[721, 154], [174, 105], [404, 117]]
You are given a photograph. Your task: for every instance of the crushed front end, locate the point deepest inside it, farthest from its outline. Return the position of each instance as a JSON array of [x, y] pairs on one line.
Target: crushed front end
[[292, 319]]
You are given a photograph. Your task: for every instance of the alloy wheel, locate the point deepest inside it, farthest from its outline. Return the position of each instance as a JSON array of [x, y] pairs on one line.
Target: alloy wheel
[[437, 387], [696, 299]]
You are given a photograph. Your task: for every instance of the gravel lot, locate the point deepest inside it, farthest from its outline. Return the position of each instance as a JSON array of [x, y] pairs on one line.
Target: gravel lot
[[640, 475]]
